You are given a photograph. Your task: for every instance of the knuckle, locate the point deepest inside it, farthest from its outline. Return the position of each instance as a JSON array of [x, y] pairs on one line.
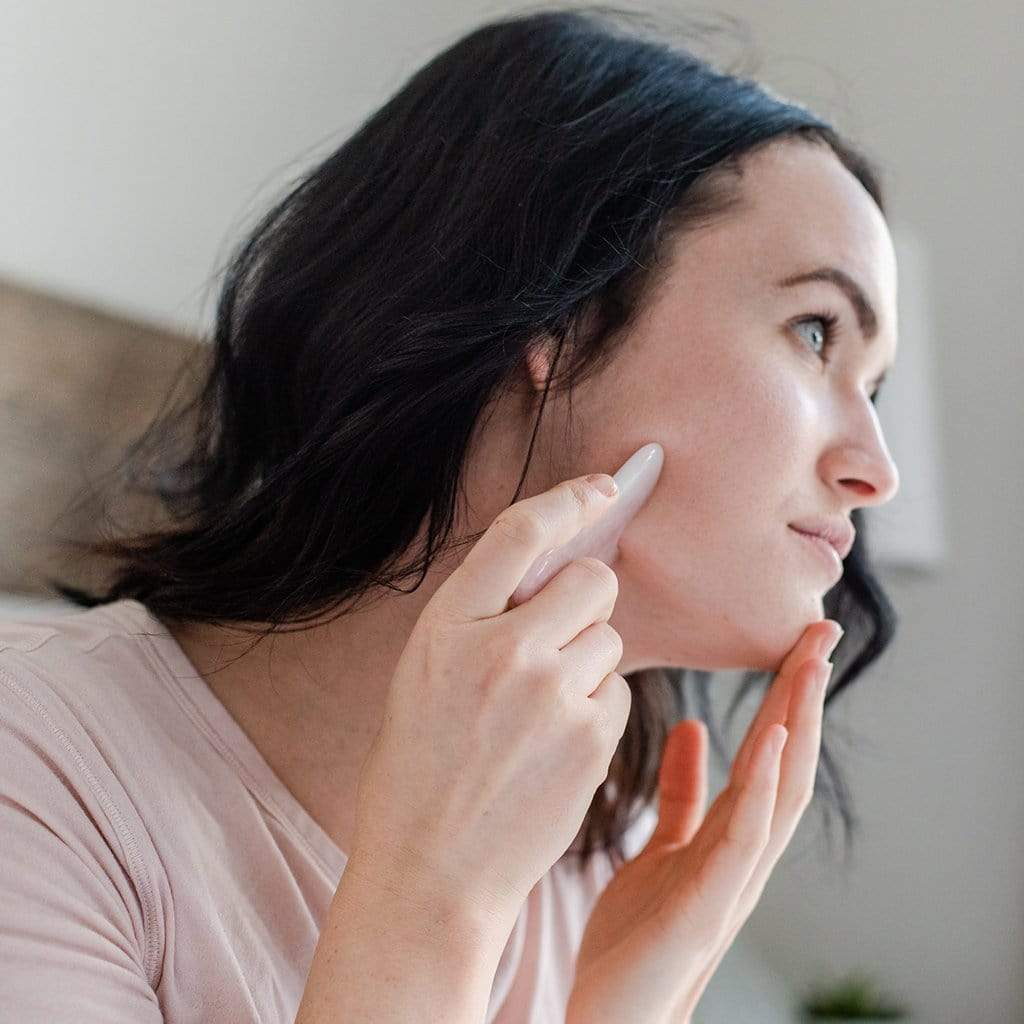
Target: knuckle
[[609, 722], [789, 809], [610, 636], [582, 494], [604, 573], [565, 702], [597, 734], [523, 657], [627, 702], [521, 525], [804, 800], [753, 899], [794, 804], [509, 650], [748, 842], [545, 668]]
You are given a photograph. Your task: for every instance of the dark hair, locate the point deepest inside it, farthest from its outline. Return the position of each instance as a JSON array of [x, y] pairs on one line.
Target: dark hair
[[524, 186]]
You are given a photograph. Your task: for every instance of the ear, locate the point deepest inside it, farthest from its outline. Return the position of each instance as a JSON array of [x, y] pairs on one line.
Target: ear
[[537, 365]]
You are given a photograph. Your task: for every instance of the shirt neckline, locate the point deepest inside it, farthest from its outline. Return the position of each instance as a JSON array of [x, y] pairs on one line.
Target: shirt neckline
[[231, 740]]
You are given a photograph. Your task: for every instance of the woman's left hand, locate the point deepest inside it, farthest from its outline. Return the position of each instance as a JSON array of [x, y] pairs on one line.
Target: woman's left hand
[[663, 923]]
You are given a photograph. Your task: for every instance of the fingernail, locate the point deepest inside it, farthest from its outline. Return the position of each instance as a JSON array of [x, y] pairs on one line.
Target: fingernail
[[604, 483], [828, 646], [778, 742], [824, 675]]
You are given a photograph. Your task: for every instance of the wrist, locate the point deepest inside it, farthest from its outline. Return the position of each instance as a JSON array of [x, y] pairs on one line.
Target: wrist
[[390, 952], [447, 914], [596, 1004]]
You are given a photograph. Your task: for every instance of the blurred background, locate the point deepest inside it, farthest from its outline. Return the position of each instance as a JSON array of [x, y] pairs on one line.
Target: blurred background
[[141, 140]]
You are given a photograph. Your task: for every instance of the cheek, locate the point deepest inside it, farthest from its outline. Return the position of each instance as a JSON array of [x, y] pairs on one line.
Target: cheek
[[766, 425], [741, 451], [715, 542], [734, 420], [711, 580]]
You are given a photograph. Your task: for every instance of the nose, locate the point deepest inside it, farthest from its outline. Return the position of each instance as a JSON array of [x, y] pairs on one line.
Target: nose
[[862, 463]]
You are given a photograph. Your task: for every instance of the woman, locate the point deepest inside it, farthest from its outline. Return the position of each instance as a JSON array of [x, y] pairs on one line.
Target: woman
[[559, 232]]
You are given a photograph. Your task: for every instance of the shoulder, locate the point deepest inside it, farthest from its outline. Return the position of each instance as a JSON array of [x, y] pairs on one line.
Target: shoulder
[[80, 851], [85, 679]]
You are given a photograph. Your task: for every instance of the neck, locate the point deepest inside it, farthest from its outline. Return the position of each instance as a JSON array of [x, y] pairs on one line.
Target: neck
[[310, 700]]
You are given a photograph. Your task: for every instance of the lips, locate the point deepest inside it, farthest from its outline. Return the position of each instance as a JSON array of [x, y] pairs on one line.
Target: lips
[[838, 532], [824, 553]]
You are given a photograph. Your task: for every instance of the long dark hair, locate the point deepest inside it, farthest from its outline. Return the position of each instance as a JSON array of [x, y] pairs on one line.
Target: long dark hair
[[524, 184]]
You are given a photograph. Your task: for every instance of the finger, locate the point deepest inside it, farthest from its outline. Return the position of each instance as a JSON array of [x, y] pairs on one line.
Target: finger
[[800, 758], [815, 642], [797, 769], [739, 836], [636, 478], [798, 765], [481, 585], [596, 651], [796, 783], [571, 615], [803, 746], [682, 784]]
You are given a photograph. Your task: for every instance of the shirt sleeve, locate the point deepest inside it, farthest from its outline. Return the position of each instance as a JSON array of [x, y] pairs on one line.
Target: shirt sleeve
[[72, 923]]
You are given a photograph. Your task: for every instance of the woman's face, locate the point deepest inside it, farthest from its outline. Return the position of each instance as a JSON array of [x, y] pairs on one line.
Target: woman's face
[[758, 429]]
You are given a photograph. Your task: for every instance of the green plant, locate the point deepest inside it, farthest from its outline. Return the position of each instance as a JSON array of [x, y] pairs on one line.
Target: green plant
[[854, 998]]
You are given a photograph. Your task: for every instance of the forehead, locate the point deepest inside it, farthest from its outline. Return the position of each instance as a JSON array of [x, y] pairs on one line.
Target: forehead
[[801, 209]]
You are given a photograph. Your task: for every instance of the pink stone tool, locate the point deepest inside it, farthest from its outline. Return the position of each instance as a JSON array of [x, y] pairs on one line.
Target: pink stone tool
[[636, 479]]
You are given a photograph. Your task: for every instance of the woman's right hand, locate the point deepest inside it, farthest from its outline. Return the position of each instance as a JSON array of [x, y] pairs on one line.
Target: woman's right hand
[[500, 723]]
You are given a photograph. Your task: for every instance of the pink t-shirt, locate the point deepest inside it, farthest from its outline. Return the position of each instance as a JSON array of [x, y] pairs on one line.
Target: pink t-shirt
[[153, 868]]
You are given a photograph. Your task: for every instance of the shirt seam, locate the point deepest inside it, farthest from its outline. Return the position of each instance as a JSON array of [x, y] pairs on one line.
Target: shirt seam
[[224, 749], [136, 864]]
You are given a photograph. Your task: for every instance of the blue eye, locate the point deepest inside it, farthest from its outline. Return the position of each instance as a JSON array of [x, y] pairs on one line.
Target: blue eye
[[827, 336]]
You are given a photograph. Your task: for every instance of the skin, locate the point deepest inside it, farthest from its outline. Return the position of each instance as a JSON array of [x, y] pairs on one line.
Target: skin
[[662, 925], [757, 431]]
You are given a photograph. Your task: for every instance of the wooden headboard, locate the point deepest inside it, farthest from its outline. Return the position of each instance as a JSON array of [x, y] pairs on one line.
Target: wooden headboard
[[77, 386]]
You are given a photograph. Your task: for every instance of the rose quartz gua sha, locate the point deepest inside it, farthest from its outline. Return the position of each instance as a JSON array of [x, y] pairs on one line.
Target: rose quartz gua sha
[[636, 479]]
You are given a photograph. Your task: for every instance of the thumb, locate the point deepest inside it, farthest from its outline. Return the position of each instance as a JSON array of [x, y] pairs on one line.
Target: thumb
[[682, 783]]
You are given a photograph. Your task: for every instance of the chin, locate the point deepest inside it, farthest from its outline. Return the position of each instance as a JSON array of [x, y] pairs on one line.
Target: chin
[[660, 631]]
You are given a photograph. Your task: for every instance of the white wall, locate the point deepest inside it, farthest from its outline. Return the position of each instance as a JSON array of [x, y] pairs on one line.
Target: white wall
[[140, 139]]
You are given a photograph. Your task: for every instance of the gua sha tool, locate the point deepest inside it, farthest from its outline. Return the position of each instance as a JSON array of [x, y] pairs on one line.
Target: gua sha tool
[[636, 479]]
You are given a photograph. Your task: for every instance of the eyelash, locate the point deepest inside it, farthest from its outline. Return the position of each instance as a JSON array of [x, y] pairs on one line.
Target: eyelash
[[831, 323]]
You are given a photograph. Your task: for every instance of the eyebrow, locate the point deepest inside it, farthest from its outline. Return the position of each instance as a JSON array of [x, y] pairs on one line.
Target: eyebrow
[[867, 319]]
